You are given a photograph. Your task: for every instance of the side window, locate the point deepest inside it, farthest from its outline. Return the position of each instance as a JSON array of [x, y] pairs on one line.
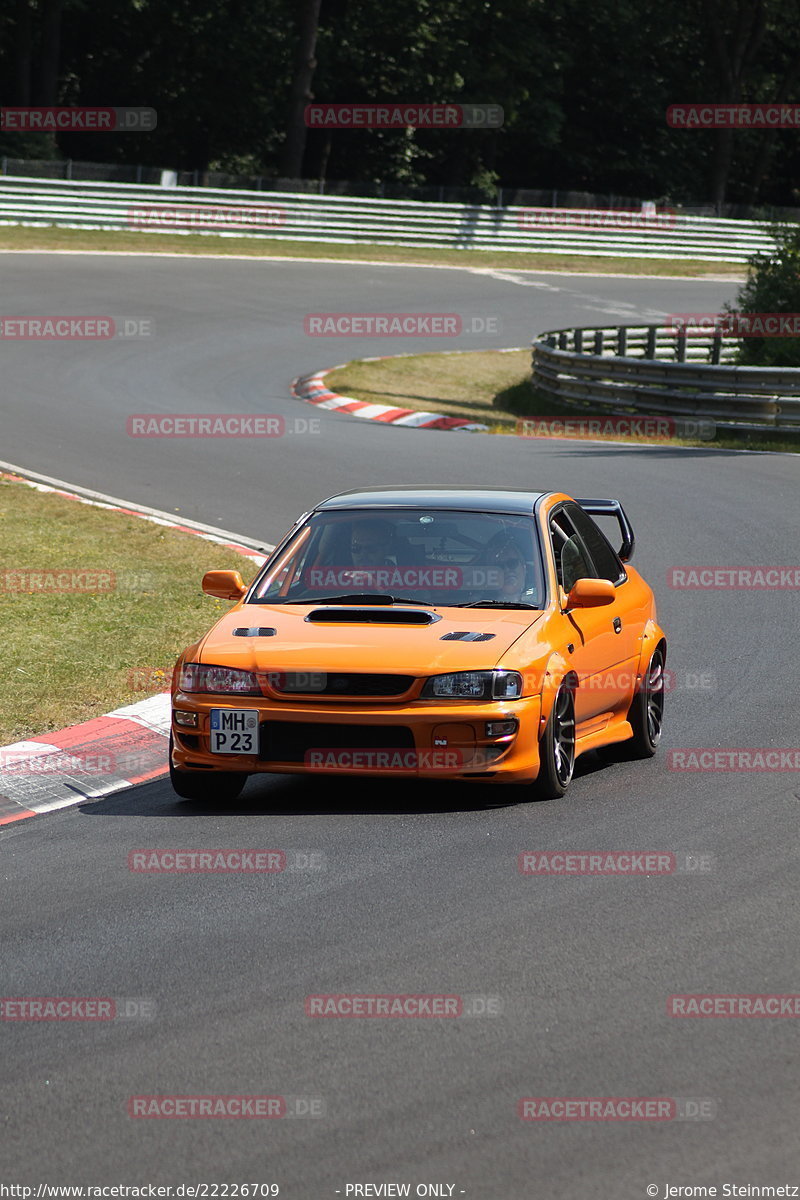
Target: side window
[[572, 561], [606, 564]]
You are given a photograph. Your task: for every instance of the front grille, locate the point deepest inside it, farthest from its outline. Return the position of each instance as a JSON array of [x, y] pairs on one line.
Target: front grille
[[289, 741], [343, 683]]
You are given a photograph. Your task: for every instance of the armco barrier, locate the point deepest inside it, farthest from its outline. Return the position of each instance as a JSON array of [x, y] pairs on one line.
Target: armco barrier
[[655, 369], [342, 220]]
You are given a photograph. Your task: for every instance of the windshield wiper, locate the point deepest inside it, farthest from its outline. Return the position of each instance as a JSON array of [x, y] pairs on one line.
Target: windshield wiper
[[495, 604], [357, 598]]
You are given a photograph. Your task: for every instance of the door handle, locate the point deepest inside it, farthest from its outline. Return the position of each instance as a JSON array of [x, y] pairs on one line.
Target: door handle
[[617, 625]]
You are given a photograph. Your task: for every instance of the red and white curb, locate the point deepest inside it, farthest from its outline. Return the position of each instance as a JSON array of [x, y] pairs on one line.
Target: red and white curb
[[86, 761], [311, 388], [105, 754]]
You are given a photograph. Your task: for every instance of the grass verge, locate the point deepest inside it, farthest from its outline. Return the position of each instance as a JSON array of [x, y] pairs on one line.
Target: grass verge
[[71, 655], [493, 387], [48, 237]]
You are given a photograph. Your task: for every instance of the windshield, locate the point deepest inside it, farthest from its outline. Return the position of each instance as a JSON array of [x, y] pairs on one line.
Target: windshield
[[431, 557]]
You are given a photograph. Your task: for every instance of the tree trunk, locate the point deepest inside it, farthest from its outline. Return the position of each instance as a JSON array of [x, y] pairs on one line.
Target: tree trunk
[[735, 49], [50, 52], [22, 54], [305, 65]]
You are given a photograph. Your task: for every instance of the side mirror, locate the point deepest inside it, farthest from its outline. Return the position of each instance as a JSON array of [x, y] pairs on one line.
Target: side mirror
[[226, 585], [590, 593]]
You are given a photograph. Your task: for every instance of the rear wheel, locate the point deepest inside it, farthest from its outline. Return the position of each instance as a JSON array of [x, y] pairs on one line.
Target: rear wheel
[[557, 748], [205, 785], [646, 714]]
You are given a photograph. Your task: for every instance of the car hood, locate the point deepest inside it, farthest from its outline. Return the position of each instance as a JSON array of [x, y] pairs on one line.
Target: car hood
[[353, 642]]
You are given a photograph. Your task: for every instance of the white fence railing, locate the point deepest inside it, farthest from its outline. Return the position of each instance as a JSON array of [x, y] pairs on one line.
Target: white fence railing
[[343, 220]]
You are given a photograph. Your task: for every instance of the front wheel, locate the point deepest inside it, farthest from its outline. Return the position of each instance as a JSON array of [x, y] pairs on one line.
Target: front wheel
[[205, 785], [557, 748]]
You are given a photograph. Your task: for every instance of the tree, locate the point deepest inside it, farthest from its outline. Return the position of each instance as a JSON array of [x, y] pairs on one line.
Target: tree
[[305, 64], [773, 286]]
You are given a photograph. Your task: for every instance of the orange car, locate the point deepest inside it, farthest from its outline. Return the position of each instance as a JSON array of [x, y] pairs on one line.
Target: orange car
[[443, 633]]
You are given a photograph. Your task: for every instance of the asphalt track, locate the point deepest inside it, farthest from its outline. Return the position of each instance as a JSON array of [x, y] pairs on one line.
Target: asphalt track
[[420, 891]]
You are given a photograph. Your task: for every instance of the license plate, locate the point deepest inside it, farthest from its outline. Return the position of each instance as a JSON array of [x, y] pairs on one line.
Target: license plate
[[234, 731]]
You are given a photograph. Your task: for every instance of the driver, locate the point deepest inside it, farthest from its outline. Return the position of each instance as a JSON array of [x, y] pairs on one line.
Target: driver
[[506, 553], [372, 544]]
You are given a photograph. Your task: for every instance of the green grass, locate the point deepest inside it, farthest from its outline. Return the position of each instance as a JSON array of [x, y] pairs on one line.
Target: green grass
[[492, 387], [70, 656], [47, 237]]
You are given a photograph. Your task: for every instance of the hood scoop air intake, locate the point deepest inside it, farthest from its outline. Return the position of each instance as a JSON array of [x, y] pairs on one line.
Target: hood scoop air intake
[[372, 616], [254, 631], [463, 635]]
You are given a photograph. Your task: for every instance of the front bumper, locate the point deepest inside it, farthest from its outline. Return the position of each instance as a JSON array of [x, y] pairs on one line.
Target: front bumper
[[424, 739]]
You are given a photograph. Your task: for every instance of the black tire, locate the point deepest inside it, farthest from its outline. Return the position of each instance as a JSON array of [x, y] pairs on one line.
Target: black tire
[[205, 785], [557, 748], [646, 713], [646, 716]]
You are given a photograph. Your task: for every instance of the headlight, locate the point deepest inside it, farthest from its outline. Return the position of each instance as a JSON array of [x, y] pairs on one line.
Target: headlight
[[474, 685], [197, 677]]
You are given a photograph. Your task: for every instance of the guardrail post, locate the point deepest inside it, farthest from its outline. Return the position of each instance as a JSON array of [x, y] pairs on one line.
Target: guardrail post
[[764, 395], [650, 350], [622, 341]]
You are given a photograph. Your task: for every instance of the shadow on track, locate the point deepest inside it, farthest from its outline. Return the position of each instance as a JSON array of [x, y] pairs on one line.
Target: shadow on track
[[285, 795]]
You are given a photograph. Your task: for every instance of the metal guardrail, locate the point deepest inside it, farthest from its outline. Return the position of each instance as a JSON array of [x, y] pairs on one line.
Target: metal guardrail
[[657, 370], [344, 220]]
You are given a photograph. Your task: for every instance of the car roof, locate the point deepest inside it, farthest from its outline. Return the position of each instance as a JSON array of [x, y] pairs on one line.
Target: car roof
[[485, 499]]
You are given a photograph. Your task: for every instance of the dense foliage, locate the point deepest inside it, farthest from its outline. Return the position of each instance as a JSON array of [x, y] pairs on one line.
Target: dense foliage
[[585, 88], [773, 286]]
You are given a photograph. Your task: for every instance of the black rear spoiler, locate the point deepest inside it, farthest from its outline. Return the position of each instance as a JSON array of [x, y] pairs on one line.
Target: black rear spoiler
[[613, 508]]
